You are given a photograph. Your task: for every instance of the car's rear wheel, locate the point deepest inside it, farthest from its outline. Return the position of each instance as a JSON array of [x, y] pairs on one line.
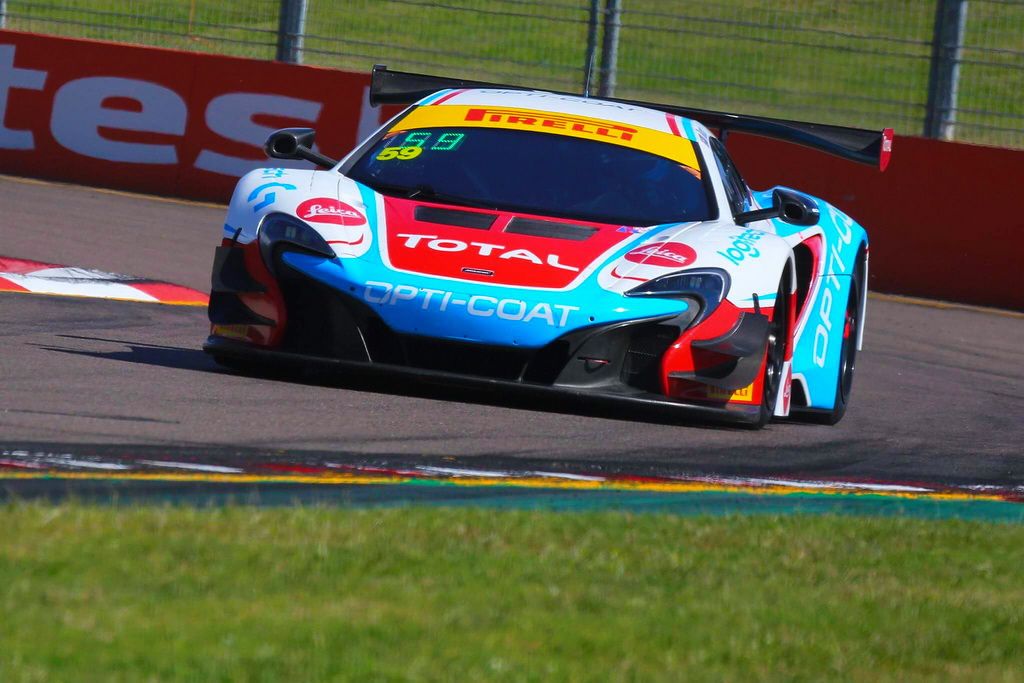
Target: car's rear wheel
[[775, 356], [848, 357]]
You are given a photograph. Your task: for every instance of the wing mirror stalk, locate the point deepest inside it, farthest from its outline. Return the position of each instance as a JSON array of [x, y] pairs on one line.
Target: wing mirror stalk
[[296, 143], [786, 205]]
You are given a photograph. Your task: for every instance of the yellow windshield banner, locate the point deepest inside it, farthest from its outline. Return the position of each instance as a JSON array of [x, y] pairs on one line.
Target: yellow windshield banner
[[572, 125]]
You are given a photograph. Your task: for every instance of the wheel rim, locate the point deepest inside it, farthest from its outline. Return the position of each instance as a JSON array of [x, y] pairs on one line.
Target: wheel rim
[[776, 352], [849, 356]]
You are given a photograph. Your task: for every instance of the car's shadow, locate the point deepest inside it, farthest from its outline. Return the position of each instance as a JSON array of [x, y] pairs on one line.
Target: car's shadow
[[141, 353], [194, 359]]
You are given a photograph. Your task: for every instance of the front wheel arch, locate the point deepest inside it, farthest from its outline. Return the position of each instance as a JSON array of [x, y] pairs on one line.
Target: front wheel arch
[[777, 349]]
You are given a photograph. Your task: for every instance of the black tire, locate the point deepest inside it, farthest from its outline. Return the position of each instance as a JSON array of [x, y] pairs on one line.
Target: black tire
[[848, 357], [775, 356]]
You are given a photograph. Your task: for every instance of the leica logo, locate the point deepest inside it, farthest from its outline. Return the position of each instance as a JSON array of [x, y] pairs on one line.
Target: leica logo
[[665, 254], [318, 210], [326, 210]]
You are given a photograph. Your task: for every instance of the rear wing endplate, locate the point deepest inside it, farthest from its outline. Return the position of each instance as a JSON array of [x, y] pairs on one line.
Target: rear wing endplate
[[869, 147]]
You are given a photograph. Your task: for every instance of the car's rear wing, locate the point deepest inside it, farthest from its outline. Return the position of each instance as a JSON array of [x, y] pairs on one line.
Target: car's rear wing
[[869, 147]]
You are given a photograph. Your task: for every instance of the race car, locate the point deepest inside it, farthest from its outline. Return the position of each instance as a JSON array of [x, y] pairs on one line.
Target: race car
[[597, 248]]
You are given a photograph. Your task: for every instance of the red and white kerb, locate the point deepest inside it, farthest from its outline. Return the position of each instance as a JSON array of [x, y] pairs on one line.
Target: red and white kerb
[[36, 277]]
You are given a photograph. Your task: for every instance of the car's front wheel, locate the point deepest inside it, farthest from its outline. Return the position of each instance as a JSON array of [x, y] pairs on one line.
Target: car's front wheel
[[775, 356]]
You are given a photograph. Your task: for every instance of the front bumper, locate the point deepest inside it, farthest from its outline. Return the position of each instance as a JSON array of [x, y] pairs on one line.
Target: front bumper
[[309, 322], [648, 403]]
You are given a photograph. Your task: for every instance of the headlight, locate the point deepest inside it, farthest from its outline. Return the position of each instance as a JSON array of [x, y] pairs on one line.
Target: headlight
[[707, 286], [280, 227]]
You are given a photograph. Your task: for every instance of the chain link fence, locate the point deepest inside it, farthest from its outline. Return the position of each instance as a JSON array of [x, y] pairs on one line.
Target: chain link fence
[[948, 68], [247, 29], [990, 107]]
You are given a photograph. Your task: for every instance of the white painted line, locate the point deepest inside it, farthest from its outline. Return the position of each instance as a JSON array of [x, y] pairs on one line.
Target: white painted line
[[74, 274], [41, 459], [191, 466], [455, 472], [102, 289], [795, 483], [566, 475], [841, 485], [86, 464]]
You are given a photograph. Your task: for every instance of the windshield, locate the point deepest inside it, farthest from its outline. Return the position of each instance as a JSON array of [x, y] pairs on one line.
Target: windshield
[[532, 172]]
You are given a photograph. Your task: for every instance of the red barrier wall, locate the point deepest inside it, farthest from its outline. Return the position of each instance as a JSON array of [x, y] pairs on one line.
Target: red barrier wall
[[161, 121], [180, 123], [942, 218]]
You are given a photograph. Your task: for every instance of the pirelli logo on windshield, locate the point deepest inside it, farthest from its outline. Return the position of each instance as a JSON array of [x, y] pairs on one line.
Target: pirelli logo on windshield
[[556, 121], [662, 143]]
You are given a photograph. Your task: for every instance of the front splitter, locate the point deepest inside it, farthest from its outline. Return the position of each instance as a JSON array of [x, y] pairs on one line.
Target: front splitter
[[643, 402]]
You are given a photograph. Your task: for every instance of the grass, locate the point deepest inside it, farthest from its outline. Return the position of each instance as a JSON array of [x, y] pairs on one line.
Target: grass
[[862, 63], [259, 594]]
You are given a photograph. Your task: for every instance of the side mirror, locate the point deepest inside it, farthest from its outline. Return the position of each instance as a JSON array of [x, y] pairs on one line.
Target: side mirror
[[796, 208], [296, 143], [787, 205]]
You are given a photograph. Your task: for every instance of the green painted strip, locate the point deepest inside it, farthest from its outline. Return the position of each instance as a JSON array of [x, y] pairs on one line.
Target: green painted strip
[[718, 503], [434, 493]]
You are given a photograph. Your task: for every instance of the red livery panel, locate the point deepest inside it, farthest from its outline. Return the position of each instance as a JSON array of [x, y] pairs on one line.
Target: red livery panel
[[494, 254]]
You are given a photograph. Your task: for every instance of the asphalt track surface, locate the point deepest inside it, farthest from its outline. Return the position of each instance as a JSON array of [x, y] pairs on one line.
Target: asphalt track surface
[[938, 397]]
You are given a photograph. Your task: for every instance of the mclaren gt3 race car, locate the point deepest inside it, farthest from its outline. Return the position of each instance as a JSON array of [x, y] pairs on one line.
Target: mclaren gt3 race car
[[551, 242]]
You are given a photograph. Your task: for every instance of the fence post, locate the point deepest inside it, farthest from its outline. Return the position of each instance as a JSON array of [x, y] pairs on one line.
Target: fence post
[[944, 74], [3, 13], [610, 46], [291, 29], [588, 59]]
